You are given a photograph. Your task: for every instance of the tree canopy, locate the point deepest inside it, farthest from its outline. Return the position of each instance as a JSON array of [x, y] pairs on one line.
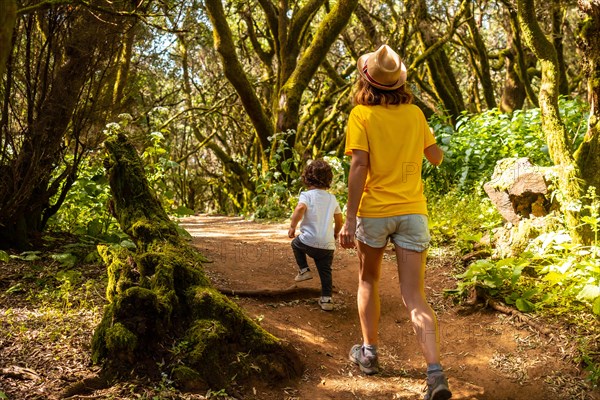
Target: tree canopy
[[227, 90]]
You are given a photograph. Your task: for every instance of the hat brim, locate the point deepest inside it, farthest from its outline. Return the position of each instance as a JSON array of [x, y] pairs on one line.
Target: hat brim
[[361, 63]]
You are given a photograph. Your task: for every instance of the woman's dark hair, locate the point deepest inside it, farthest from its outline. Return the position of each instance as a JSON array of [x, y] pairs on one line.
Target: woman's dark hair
[[368, 95], [318, 174]]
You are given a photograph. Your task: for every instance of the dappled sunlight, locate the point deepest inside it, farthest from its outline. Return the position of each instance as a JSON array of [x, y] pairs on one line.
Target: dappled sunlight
[[310, 333], [210, 227], [363, 387]]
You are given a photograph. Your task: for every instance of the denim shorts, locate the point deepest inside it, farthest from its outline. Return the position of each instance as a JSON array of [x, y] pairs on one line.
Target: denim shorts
[[408, 231]]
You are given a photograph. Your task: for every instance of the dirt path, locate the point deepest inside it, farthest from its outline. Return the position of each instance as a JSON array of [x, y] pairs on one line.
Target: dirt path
[[486, 355]]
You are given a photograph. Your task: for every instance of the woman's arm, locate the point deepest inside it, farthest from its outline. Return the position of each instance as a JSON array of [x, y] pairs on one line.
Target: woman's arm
[[434, 154], [356, 185]]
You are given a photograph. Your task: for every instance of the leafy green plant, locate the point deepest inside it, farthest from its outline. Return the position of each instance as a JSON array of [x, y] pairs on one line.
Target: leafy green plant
[[593, 218], [552, 276], [276, 187], [67, 260], [458, 219], [69, 279], [588, 358], [478, 141], [339, 183], [85, 209], [28, 255]]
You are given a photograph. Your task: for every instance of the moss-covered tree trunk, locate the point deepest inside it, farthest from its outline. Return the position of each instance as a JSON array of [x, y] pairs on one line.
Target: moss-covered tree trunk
[[571, 186], [483, 72], [513, 94], [235, 74], [588, 155], [163, 316], [439, 67], [523, 60], [236, 172], [558, 18], [290, 93]]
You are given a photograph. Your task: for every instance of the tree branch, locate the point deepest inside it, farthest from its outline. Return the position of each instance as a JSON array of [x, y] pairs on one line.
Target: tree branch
[[454, 24], [235, 73]]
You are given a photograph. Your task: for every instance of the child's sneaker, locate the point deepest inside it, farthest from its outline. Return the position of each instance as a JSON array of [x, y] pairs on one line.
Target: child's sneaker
[[367, 364], [303, 276], [326, 303], [437, 387]]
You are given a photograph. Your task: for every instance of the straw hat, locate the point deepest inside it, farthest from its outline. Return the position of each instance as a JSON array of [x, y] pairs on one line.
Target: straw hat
[[382, 68]]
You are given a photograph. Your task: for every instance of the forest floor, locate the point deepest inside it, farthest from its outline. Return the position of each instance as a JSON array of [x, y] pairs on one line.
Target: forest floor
[[486, 354]]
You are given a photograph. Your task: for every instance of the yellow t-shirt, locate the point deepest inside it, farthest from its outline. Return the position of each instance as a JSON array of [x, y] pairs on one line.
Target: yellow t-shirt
[[395, 137]]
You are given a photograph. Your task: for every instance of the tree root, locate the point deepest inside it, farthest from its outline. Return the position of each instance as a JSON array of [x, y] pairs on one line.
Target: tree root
[[294, 290], [84, 386], [477, 295], [16, 372], [475, 255], [503, 308]]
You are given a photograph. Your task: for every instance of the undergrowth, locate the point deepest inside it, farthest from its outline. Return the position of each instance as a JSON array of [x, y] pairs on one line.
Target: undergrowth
[[553, 277]]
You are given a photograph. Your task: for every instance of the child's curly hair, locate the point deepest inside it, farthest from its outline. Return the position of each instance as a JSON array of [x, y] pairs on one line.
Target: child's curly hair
[[318, 174]]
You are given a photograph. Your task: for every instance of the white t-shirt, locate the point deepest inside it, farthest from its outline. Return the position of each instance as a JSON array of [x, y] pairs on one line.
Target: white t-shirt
[[317, 228]]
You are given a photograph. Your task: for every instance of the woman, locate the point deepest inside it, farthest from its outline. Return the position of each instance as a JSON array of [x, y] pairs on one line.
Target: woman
[[387, 137]]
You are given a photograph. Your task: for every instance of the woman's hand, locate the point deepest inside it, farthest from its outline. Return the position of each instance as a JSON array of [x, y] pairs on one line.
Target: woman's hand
[[347, 234]]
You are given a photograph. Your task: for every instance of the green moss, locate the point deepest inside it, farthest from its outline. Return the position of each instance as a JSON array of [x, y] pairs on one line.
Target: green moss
[[208, 303], [168, 303], [119, 269], [160, 297], [187, 378], [99, 350], [137, 299], [205, 333], [120, 339], [210, 354], [147, 262], [163, 276], [146, 229]]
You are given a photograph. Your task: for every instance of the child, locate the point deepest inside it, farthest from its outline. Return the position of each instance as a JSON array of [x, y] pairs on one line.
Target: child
[[317, 209]]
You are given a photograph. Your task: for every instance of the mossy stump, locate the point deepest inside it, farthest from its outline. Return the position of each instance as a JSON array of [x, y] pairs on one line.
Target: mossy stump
[[164, 316]]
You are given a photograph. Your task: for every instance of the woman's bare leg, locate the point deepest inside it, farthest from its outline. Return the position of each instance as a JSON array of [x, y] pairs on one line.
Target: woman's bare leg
[[411, 268], [367, 297]]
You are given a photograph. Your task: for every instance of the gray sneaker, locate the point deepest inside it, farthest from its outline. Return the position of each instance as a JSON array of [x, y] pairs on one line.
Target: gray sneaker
[[326, 303], [437, 387], [303, 276], [367, 364]]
